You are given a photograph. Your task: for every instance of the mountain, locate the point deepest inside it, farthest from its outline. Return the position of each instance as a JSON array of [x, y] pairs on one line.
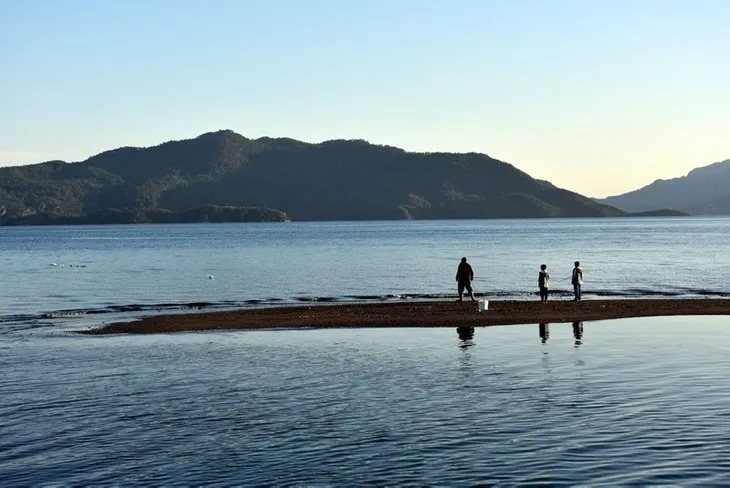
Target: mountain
[[332, 180], [704, 191]]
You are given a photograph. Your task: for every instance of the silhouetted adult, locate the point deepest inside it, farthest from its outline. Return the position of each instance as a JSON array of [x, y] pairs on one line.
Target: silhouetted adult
[[464, 277]]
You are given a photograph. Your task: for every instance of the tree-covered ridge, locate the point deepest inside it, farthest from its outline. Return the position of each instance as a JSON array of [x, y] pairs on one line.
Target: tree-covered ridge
[[208, 213], [332, 180]]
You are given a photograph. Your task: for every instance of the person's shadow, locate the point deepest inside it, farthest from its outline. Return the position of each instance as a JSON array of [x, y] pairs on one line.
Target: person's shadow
[[578, 333], [544, 332]]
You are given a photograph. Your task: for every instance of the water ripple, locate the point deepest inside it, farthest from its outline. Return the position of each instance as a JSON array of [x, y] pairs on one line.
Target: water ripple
[[634, 405]]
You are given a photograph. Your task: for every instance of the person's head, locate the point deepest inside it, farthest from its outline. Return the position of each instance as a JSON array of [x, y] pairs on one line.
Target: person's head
[[543, 267], [463, 260], [577, 263]]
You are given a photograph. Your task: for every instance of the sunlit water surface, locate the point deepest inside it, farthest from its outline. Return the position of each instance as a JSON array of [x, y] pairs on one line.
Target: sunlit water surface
[[636, 401], [92, 274]]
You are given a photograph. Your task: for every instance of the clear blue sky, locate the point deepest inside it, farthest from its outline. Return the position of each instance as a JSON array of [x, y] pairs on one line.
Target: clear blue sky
[[597, 97]]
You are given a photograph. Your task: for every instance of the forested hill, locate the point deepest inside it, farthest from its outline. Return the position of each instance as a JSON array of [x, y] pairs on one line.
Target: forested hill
[[280, 179]]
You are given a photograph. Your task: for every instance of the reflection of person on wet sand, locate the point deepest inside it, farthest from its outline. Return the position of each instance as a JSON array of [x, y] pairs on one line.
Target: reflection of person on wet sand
[[578, 332], [544, 332], [465, 333]]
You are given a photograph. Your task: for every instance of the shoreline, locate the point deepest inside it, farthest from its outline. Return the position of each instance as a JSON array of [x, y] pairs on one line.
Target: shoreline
[[417, 315]]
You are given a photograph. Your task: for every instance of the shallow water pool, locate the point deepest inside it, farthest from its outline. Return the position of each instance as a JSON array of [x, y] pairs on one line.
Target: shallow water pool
[[633, 401]]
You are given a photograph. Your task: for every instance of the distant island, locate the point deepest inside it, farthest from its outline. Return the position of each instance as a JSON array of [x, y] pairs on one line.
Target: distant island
[[225, 177]]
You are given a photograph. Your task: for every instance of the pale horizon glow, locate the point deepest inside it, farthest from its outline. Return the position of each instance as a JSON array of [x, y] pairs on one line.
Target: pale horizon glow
[[598, 98]]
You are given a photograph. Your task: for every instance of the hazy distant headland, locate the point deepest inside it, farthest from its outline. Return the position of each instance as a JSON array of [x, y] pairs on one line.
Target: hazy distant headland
[[704, 191], [225, 177]]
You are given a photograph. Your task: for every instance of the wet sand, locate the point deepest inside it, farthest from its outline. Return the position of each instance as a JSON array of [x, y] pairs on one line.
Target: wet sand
[[418, 314]]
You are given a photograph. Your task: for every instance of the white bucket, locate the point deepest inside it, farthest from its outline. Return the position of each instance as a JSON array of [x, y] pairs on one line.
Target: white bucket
[[483, 305]]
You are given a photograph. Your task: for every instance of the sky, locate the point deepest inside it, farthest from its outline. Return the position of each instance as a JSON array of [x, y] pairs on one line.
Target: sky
[[596, 97]]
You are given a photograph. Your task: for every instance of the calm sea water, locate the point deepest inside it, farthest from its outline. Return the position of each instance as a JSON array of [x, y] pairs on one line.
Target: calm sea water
[[92, 273], [628, 402], [638, 401]]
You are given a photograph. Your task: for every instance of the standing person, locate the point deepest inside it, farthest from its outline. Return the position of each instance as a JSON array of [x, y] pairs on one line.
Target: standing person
[[464, 276], [543, 282], [577, 281]]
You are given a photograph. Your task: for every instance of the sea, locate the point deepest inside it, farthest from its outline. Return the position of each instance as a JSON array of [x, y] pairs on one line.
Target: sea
[[638, 401]]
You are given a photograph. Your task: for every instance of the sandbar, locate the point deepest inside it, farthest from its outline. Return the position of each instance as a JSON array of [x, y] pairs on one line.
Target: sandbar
[[417, 314]]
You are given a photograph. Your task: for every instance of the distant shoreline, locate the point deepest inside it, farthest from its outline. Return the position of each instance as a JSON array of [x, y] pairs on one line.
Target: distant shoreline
[[418, 314], [170, 218]]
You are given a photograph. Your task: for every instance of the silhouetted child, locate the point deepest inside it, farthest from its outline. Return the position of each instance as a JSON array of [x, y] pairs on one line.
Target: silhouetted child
[[543, 282], [577, 281]]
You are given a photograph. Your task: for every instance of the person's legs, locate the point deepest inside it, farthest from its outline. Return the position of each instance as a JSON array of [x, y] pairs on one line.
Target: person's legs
[[576, 292], [461, 290], [471, 292]]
